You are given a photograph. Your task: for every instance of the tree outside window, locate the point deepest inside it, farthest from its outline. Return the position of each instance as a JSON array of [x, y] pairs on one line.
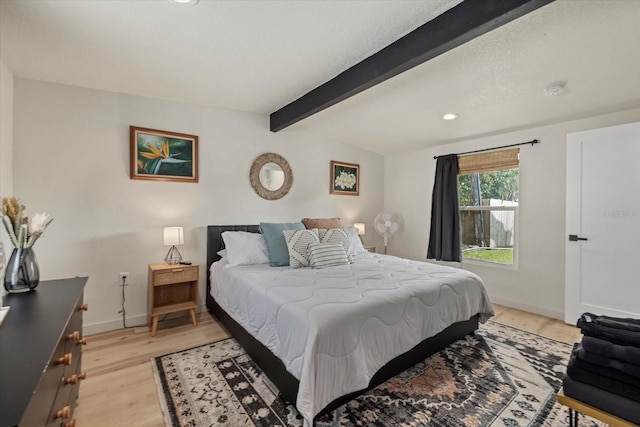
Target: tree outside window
[[488, 205]]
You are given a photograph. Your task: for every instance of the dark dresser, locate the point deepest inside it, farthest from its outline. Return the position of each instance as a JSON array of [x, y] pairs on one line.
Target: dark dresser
[[41, 354]]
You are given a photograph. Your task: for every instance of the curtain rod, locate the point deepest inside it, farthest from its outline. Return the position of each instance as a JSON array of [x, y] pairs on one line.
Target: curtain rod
[[532, 142]]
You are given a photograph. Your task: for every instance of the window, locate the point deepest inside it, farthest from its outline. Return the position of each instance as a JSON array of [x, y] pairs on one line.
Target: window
[[488, 191]]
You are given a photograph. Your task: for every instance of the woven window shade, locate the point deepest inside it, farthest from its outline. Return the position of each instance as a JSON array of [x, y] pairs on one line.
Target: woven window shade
[[491, 161]]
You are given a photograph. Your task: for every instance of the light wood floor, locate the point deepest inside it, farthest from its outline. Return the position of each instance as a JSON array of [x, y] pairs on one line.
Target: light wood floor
[[120, 389]]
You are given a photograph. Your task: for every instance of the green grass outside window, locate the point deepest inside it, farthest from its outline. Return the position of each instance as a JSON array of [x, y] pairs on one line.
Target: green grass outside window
[[500, 256]]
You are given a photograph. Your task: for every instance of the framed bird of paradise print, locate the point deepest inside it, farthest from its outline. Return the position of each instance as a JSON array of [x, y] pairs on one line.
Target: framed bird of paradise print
[[163, 156]]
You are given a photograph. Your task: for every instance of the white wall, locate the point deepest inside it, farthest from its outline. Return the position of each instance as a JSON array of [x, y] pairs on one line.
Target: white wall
[[538, 283], [71, 159], [6, 130], [6, 147]]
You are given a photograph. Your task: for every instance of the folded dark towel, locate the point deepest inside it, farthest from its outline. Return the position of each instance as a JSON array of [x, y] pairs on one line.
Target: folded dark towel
[[626, 324], [606, 383], [616, 330], [603, 362], [601, 370], [623, 353], [598, 398]]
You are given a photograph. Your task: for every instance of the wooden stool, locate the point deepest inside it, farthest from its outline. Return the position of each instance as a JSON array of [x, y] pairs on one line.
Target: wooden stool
[[576, 407]]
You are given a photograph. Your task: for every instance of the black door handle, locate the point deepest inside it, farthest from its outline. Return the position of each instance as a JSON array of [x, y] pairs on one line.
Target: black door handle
[[575, 238]]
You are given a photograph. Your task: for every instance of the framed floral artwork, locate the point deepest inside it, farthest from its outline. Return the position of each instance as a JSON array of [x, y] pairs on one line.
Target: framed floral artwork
[[163, 156], [345, 178]]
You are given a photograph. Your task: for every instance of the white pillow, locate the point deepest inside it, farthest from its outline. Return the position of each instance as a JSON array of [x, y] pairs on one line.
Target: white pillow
[[354, 239], [348, 235], [245, 248], [323, 255], [297, 242], [222, 253]]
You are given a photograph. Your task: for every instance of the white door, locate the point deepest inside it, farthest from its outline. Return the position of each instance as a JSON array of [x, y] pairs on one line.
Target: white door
[[603, 207]]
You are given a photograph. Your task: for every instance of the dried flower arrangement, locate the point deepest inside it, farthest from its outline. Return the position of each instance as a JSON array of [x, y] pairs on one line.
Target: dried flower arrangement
[[22, 230]]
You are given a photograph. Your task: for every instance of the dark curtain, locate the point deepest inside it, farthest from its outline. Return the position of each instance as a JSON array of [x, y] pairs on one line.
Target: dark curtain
[[444, 238]]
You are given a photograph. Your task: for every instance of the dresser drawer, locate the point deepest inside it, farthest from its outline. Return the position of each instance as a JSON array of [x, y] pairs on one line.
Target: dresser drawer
[[73, 345], [42, 398], [73, 339], [68, 385], [62, 410], [65, 401], [176, 275]]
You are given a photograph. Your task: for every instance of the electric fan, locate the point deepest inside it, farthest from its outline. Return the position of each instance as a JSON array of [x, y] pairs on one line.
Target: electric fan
[[385, 224]]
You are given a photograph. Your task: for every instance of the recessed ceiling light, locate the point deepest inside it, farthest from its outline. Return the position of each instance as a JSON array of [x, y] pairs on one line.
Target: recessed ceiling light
[[186, 2], [554, 89], [450, 116]]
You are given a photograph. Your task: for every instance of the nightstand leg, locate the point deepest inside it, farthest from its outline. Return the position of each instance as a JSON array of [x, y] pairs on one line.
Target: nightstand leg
[[192, 312], [154, 328]]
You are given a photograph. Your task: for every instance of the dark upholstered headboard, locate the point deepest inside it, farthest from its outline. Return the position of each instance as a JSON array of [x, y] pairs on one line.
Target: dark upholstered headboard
[[215, 244]]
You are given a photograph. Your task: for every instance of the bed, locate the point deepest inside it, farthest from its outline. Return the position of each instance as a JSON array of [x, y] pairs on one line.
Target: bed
[[285, 371]]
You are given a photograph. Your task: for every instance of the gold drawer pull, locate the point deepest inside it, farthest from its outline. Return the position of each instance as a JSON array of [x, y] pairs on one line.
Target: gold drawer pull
[[73, 379], [84, 307], [65, 360], [83, 341], [82, 376], [64, 412], [71, 423]]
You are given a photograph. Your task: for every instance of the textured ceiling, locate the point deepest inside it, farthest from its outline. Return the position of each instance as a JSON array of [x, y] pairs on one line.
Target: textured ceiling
[[251, 56], [257, 56], [496, 82]]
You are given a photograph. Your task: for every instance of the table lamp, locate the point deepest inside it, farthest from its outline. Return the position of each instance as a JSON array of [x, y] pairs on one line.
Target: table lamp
[[360, 226], [173, 236]]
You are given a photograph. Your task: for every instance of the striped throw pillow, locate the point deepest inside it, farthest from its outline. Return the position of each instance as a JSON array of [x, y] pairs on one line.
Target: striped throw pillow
[[336, 235], [323, 255], [297, 242]]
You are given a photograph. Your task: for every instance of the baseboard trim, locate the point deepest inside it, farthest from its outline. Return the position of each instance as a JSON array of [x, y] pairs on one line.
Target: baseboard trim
[[133, 321], [543, 311], [113, 325], [141, 320]]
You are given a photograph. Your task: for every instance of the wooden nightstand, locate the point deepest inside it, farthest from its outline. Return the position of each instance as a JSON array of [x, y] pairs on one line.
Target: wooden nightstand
[[172, 288], [371, 249]]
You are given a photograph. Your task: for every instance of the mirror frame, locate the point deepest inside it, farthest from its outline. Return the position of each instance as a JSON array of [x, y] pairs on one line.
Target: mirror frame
[[254, 176]]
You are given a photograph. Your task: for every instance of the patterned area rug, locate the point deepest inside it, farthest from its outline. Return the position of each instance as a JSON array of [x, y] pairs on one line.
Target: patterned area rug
[[501, 376]]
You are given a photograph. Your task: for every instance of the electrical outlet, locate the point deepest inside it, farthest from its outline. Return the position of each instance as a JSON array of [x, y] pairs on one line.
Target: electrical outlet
[[123, 279]]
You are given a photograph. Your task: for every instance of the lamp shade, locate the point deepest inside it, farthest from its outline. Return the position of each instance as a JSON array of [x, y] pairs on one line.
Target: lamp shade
[[173, 236], [360, 227]]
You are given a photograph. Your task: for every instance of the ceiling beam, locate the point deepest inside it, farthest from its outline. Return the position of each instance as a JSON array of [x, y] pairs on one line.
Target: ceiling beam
[[458, 25]]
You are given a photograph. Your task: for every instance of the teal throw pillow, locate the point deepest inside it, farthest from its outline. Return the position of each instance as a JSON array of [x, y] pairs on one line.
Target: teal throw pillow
[[275, 241]]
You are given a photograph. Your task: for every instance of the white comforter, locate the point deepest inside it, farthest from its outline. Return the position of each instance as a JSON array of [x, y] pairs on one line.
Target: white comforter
[[334, 328]]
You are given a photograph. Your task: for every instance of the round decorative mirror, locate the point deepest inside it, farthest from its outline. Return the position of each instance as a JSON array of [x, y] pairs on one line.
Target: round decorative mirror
[[271, 176]]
